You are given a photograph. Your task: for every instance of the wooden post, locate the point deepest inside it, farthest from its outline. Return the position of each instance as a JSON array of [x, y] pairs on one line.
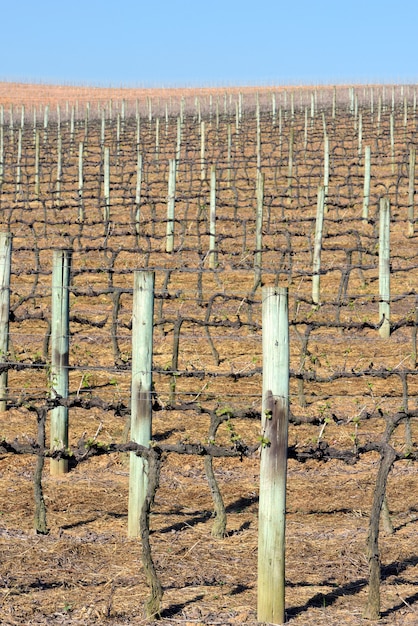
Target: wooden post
[[290, 162], [106, 185], [384, 268], [138, 192], [11, 126], [5, 265], [102, 131], [379, 113], [178, 140], [273, 463], [59, 354], [72, 125], [366, 188], [213, 254], [138, 129], [171, 199], [117, 136], [202, 151], [392, 140], [46, 115], [141, 390], [411, 191], [316, 265], [258, 136], [326, 167], [273, 109], [18, 161], [229, 149], [86, 120], [157, 138], [59, 171], [258, 229], [37, 165], [80, 182]]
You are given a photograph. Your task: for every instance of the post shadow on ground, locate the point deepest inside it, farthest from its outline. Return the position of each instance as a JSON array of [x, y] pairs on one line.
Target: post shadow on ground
[[235, 507], [175, 609], [351, 588]]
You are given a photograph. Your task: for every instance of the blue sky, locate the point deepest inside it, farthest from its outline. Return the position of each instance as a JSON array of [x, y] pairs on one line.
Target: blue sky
[[184, 43]]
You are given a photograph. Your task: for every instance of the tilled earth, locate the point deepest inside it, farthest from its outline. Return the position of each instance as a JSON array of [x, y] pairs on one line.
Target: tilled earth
[[86, 570]]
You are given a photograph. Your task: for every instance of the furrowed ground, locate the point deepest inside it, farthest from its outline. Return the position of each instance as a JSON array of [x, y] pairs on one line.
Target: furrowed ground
[[345, 379]]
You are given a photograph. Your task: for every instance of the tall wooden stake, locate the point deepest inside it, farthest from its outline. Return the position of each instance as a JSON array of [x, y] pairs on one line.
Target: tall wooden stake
[[213, 254], [5, 265], [366, 188], [171, 200], [411, 191], [384, 268], [316, 265], [273, 467], [59, 354], [141, 390]]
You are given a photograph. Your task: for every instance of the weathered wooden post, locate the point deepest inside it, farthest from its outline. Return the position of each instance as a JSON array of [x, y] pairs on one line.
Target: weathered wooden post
[[316, 264], [141, 390], [202, 151], [171, 199], [157, 138], [360, 134], [366, 187], [37, 165], [213, 253], [178, 140], [258, 136], [138, 193], [72, 126], [59, 354], [392, 140], [411, 191], [46, 115], [80, 182], [106, 185], [258, 229], [229, 150], [102, 131], [59, 171], [290, 163], [5, 266], [384, 268], [273, 464], [326, 168], [18, 161]]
